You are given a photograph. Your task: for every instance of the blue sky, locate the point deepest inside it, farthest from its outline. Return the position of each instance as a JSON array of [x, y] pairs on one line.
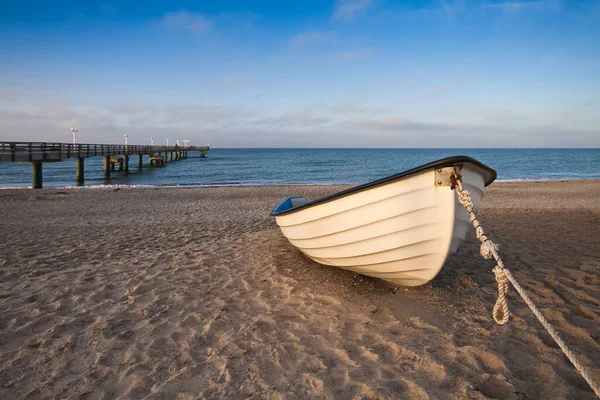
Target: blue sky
[[351, 73]]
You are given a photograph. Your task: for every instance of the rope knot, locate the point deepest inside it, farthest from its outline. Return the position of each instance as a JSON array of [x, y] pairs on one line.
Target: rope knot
[[499, 273], [487, 249], [465, 198], [500, 312]]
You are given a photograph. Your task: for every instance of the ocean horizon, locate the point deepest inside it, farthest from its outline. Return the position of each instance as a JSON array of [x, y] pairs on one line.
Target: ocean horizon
[[311, 166]]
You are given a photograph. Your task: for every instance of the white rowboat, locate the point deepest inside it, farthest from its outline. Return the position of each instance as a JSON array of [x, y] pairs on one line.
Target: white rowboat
[[400, 228]]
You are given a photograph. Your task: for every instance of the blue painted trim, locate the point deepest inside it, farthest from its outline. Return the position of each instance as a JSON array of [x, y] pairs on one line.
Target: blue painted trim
[[286, 204]]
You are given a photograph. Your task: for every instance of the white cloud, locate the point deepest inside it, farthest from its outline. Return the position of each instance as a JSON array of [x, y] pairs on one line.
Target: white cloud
[[184, 20], [346, 10], [342, 125]]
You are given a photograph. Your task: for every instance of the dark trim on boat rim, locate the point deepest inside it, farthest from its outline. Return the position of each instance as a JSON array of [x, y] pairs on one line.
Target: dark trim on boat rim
[[444, 162]]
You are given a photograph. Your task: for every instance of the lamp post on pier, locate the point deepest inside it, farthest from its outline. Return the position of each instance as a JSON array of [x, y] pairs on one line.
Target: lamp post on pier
[[79, 163], [152, 141], [167, 142], [125, 164]]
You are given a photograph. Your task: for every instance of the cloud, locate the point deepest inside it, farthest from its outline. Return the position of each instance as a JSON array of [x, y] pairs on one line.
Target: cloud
[[346, 10], [298, 121], [354, 108], [393, 125], [185, 20], [52, 123], [201, 114], [312, 39], [131, 108], [342, 125], [58, 108]]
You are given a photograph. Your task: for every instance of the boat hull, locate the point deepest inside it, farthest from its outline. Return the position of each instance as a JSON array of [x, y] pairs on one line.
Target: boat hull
[[401, 231]]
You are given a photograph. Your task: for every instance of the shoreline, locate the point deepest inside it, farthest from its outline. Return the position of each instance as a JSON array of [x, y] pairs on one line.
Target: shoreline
[[119, 186], [194, 292]]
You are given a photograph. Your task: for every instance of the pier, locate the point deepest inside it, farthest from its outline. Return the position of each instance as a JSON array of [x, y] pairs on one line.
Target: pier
[[38, 153]]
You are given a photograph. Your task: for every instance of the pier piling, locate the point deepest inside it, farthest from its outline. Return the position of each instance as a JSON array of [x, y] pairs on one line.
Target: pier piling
[[36, 169], [107, 167], [140, 156], [125, 166], [80, 171]]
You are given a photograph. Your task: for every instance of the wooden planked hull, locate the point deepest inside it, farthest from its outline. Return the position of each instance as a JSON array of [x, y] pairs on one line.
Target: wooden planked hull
[[401, 230]]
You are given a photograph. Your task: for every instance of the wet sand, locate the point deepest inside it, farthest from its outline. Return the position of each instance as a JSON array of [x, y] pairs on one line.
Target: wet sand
[[194, 293]]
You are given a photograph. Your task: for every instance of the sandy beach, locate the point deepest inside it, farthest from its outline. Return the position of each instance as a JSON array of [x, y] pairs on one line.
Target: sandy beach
[[193, 293]]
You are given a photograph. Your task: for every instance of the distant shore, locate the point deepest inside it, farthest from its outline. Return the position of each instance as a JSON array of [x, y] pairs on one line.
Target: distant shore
[[194, 292]]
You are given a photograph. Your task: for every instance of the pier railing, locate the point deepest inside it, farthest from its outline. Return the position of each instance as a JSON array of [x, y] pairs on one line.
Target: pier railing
[[43, 151]]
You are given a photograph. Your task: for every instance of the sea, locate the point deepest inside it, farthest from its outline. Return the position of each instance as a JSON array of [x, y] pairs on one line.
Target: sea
[[239, 167]]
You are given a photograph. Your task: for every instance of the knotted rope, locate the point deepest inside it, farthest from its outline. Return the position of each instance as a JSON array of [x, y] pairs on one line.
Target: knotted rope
[[488, 250]]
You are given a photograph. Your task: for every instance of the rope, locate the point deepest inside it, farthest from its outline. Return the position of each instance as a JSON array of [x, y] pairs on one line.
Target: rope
[[500, 313]]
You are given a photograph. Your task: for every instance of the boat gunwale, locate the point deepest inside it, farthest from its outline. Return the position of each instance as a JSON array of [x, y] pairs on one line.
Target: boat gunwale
[[441, 163]]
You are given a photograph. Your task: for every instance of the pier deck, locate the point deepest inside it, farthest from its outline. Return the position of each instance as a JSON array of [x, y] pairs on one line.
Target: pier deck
[[27, 152], [38, 153]]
